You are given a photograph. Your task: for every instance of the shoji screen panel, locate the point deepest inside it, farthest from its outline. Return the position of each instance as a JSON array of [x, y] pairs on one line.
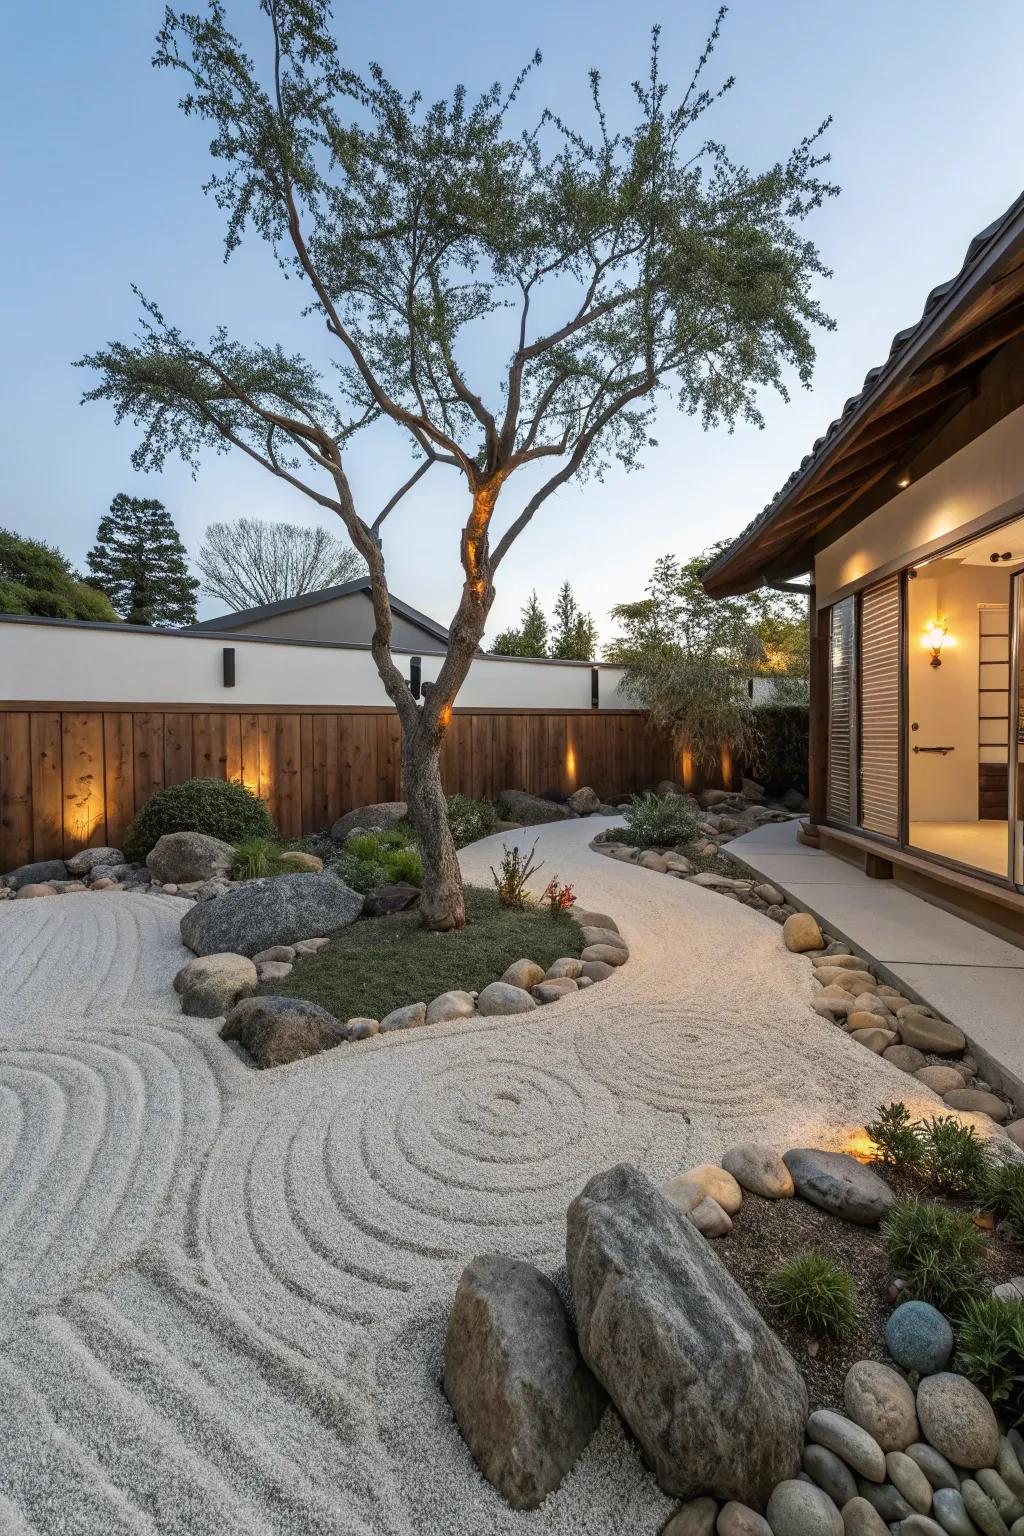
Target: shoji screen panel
[[842, 713], [880, 709]]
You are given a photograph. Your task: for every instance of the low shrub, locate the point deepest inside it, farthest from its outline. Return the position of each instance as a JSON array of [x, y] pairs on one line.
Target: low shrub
[[512, 874], [470, 819], [405, 864], [785, 732], [897, 1138], [218, 807], [812, 1290], [359, 874], [1002, 1193], [937, 1252], [956, 1161], [659, 821], [991, 1351], [378, 858]]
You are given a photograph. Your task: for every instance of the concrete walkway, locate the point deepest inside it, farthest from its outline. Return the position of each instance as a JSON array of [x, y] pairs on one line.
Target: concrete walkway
[[972, 977]]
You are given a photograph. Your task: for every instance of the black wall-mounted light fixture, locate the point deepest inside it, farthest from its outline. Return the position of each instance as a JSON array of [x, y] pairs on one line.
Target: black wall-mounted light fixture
[[415, 675], [229, 666], [595, 688]]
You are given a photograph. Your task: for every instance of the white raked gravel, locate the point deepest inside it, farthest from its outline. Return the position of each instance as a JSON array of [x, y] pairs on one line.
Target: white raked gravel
[[223, 1294]]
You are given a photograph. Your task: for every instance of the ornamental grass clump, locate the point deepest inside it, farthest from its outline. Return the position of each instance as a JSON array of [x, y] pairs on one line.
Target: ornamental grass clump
[[1002, 1193], [659, 821], [812, 1290], [936, 1251], [896, 1136], [991, 1351]]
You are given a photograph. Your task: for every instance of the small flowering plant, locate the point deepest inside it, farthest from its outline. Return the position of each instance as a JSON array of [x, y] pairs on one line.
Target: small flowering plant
[[559, 897]]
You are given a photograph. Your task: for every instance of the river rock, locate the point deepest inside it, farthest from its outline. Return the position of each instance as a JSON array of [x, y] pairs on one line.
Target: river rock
[[180, 857], [982, 1510], [553, 991], [830, 1472], [409, 1016], [558, 970], [279, 1030], [363, 1029], [211, 986], [590, 933], [838, 1183], [933, 1464], [920, 1525], [36, 888], [696, 1517], [949, 1509], [940, 1079], [800, 932], [977, 1101], [451, 1005], [298, 858], [384, 816], [524, 974], [887, 1500], [1001, 1494], [906, 1057], [958, 1421], [932, 1035], [277, 910], [876, 1040], [880, 1401], [919, 1338], [801, 1509], [500, 998], [282, 952], [39, 873], [522, 1397], [595, 970], [715, 1400], [83, 862], [862, 1519], [759, 1169], [906, 1475], [1008, 1466], [707, 1179], [709, 1218], [740, 1520], [851, 1443], [584, 918]]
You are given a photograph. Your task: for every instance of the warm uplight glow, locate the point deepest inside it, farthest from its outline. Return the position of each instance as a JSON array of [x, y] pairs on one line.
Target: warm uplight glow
[[570, 765], [935, 638], [860, 1145], [686, 767], [446, 717], [725, 758]]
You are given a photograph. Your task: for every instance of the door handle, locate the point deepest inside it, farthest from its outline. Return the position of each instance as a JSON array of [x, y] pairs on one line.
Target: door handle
[[943, 750]]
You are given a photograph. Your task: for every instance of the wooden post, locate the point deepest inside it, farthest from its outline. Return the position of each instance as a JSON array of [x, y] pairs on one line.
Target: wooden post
[[818, 735]]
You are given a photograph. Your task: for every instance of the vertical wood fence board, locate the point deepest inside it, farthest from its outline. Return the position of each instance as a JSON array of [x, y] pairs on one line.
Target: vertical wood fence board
[[47, 789], [249, 752], [15, 788], [83, 781], [118, 775], [148, 739], [177, 748], [287, 734]]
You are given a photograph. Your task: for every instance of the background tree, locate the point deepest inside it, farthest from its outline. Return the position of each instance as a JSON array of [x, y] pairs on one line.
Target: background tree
[[141, 564], [621, 264], [530, 639], [36, 578], [251, 561], [573, 632]]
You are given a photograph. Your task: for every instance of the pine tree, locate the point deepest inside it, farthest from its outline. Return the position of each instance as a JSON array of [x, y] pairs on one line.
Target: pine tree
[[139, 561], [530, 639], [574, 633]]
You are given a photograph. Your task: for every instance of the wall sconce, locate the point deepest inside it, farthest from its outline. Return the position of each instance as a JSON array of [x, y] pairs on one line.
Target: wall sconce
[[934, 639]]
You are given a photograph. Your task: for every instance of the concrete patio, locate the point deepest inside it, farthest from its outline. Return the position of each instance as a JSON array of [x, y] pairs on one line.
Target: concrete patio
[[971, 976]]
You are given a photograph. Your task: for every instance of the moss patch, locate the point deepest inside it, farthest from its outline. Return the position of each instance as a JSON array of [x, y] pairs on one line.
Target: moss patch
[[382, 963]]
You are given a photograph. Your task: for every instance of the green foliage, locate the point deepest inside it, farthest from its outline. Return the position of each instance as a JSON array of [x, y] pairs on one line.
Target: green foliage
[[218, 807], [405, 864], [658, 821], [896, 1136], [372, 846], [371, 967], [258, 857], [991, 1351], [139, 561], [470, 819], [956, 1161], [700, 702], [362, 875], [812, 1290], [784, 731], [573, 632], [530, 639], [36, 579], [1002, 1193], [512, 874], [379, 858], [937, 1251]]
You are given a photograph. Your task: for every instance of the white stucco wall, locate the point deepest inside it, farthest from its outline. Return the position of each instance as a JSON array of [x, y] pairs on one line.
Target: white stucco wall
[[85, 664], [985, 477]]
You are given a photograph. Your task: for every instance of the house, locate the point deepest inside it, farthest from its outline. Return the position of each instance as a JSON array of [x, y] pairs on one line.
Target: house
[[331, 616], [909, 515]]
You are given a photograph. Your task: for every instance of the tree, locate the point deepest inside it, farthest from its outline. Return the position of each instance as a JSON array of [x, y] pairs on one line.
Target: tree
[[139, 561], [574, 633], [530, 639], [252, 561], [656, 265], [36, 578]]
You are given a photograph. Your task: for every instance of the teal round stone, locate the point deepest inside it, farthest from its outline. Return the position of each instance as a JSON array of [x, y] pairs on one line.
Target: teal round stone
[[919, 1338]]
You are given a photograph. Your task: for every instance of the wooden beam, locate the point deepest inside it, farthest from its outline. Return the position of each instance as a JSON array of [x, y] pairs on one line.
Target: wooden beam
[[952, 359]]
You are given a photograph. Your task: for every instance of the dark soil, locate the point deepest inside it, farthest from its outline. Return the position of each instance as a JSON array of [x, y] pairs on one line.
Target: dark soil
[[767, 1232]]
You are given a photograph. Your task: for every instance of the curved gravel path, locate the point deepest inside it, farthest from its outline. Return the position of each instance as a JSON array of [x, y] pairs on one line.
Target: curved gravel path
[[223, 1294]]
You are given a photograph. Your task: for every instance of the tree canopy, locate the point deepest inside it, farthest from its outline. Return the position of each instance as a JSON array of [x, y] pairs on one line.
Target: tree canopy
[[37, 579], [252, 561], [139, 561], [571, 634]]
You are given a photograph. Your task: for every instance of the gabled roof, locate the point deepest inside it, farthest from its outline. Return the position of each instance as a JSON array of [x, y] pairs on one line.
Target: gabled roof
[[230, 621], [901, 404]]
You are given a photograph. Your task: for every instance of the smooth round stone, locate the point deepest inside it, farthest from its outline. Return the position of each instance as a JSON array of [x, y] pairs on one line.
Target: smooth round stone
[[1008, 1466], [363, 1029], [455, 1005], [839, 1184], [907, 1477], [919, 1338], [694, 1518], [830, 1473], [759, 1169], [935, 1467], [876, 1040], [862, 1519], [801, 1509], [930, 1034], [920, 1525], [740, 1520], [886, 1499], [851, 1443], [940, 1079], [800, 932], [982, 1510], [714, 1181], [958, 1421], [880, 1401], [906, 1057], [951, 1513], [1017, 1528], [709, 1218], [1001, 1494], [1015, 1131], [977, 1102]]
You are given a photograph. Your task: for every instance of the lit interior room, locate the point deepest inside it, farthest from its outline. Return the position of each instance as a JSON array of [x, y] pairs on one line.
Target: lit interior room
[[959, 608]]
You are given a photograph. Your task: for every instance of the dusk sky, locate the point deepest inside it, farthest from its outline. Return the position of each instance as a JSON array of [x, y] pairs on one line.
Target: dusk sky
[[102, 183]]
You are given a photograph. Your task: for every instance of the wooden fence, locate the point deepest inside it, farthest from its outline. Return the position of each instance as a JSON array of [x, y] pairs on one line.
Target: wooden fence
[[73, 777]]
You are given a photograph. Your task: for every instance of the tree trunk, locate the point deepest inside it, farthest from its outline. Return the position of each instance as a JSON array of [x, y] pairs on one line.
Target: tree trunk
[[441, 904]]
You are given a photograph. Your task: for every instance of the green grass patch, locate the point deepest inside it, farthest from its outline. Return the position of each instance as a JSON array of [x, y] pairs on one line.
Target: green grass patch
[[381, 963]]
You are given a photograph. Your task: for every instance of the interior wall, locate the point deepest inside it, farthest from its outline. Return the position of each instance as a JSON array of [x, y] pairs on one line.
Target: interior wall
[[944, 700]]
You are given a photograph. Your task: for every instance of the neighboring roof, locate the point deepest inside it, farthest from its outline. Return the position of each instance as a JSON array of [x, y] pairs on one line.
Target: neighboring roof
[[231, 621], [901, 404]]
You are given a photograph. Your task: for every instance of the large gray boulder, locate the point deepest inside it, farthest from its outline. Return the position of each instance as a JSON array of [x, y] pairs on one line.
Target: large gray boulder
[[839, 1184], [522, 1397], [179, 857], [88, 859], [531, 810], [210, 986], [382, 817], [279, 910], [40, 873], [279, 1030], [711, 1394]]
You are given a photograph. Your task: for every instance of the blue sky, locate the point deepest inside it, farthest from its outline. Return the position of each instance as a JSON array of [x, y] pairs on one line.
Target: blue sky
[[101, 188]]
